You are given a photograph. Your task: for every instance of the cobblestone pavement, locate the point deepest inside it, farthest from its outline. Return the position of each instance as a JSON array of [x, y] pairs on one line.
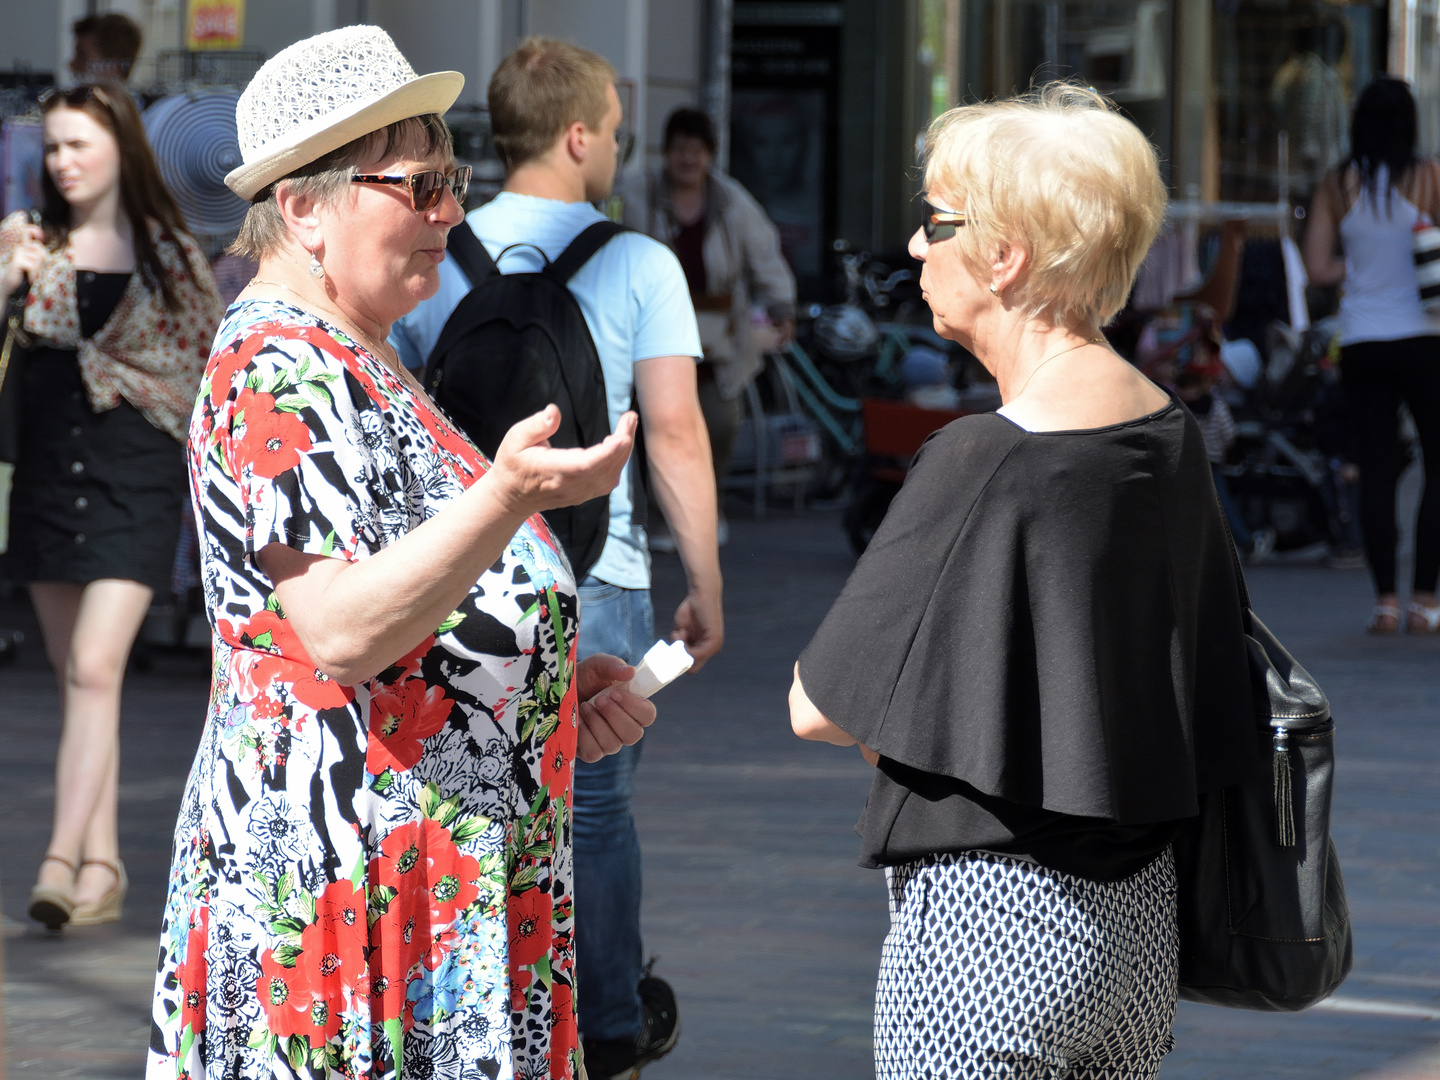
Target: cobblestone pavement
[[754, 905]]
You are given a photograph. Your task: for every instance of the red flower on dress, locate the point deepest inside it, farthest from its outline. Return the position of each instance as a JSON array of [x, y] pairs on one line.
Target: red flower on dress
[[272, 442], [420, 860], [408, 666], [321, 1022], [192, 974], [529, 917], [283, 997], [319, 691], [332, 948], [398, 938], [401, 718], [519, 983], [564, 1036]]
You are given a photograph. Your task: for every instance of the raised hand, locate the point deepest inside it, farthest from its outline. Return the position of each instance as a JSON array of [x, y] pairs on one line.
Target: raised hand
[[530, 475]]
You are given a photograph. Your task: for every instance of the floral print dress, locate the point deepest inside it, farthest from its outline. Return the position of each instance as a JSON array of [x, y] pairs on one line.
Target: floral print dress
[[374, 880]]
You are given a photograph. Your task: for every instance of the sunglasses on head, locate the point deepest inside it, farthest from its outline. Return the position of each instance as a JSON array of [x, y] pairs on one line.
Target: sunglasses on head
[[73, 96], [427, 188], [938, 224]]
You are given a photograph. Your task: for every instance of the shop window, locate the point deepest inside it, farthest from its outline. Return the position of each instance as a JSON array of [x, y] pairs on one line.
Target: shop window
[[1286, 76], [1003, 47]]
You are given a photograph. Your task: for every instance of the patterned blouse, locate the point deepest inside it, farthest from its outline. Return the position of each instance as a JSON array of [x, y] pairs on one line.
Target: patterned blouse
[[145, 353], [372, 878]]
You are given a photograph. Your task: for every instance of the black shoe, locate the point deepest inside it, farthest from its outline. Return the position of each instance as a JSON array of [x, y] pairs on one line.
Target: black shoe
[[622, 1059]]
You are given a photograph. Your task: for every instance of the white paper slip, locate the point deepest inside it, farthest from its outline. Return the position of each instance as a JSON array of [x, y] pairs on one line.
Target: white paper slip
[[663, 664]]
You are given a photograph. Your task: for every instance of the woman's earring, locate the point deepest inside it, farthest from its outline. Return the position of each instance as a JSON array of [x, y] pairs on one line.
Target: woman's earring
[[317, 271], [993, 291]]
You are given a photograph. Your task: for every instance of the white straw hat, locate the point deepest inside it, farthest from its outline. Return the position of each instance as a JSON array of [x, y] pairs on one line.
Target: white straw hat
[[319, 94]]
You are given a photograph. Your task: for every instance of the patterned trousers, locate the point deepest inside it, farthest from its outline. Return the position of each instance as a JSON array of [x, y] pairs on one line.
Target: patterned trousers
[[999, 968]]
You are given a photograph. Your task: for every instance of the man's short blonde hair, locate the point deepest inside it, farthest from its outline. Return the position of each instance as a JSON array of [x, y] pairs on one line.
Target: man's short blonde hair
[[1061, 174], [539, 90]]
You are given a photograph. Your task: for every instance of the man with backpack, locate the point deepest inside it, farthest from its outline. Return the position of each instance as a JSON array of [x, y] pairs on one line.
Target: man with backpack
[[554, 114]]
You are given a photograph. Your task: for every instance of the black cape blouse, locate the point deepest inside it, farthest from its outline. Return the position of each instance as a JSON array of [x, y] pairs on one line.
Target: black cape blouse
[[1043, 642]]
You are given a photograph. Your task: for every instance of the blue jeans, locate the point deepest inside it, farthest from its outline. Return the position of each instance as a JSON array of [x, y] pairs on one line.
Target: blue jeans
[[607, 848]]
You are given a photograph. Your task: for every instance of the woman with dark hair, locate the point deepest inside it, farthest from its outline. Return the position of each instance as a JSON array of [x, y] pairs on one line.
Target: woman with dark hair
[[730, 252], [122, 308], [1359, 234]]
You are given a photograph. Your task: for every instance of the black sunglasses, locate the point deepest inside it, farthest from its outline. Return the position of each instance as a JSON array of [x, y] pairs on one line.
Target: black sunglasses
[[939, 224], [426, 188]]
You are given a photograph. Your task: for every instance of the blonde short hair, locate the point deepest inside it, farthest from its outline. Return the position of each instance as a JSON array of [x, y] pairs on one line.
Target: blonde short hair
[[1065, 177], [539, 90]]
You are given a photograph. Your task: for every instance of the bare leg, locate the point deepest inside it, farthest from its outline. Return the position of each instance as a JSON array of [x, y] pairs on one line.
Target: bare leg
[[88, 632]]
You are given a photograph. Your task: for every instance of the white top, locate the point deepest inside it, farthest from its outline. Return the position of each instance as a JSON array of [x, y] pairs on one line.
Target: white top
[[635, 302], [1382, 299]]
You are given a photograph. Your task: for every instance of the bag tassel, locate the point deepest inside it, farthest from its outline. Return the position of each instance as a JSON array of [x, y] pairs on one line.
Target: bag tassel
[[1284, 790]]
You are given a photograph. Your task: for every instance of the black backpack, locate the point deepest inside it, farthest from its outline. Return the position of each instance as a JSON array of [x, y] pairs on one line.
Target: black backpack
[[516, 343]]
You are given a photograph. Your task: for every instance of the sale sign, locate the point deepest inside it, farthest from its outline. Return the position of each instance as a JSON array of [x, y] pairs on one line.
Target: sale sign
[[215, 24]]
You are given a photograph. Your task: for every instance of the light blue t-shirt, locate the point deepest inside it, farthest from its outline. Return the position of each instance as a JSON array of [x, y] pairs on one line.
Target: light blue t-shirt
[[636, 304]]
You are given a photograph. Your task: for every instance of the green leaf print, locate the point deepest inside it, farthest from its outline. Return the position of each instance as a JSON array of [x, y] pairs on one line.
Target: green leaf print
[[448, 811], [548, 728], [286, 954], [542, 971], [452, 620], [329, 545], [357, 876], [289, 928], [470, 829], [382, 783], [272, 603], [395, 1036], [295, 1050], [291, 403], [261, 1039], [378, 902], [527, 877], [316, 394], [187, 1040], [286, 886], [319, 1056], [265, 640], [531, 610], [429, 800]]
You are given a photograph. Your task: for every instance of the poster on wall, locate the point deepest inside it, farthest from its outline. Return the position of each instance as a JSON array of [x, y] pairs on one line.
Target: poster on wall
[[784, 126], [22, 156], [777, 150], [215, 24]]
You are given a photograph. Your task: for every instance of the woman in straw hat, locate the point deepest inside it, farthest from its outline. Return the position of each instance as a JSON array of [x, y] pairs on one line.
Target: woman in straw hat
[[372, 866]]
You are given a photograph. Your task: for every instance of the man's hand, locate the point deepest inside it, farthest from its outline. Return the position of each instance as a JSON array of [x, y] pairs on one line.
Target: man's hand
[[699, 623], [610, 716]]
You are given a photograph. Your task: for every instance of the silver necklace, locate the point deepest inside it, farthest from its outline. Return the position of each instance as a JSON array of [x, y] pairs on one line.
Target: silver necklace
[[1054, 356]]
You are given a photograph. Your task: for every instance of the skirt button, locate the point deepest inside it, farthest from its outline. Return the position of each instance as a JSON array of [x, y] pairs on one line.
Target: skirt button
[[77, 467]]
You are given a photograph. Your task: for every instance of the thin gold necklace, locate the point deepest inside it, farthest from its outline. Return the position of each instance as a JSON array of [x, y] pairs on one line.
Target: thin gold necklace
[[390, 360], [1055, 356]]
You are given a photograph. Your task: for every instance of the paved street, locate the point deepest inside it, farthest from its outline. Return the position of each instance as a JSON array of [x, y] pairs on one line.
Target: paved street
[[754, 904]]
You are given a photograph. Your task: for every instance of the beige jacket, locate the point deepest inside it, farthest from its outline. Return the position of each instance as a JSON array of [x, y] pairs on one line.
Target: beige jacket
[[742, 259]]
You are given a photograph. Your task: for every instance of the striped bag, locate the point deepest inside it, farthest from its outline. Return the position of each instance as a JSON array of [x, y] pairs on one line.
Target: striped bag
[[1425, 244]]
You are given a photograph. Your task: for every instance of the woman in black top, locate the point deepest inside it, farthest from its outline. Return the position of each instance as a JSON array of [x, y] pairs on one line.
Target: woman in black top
[[1041, 650], [122, 309]]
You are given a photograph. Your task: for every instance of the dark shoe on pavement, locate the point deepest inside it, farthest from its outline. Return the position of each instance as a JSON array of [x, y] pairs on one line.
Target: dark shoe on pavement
[[622, 1059]]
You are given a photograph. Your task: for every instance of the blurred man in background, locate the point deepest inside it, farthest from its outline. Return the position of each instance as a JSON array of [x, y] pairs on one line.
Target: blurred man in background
[[105, 48]]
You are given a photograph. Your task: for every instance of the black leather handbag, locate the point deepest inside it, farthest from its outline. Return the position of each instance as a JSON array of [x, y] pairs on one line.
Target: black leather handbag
[[1261, 903]]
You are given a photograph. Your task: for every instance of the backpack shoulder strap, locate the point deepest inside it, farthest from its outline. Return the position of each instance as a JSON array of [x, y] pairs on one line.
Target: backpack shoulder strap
[[583, 247], [470, 254]]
